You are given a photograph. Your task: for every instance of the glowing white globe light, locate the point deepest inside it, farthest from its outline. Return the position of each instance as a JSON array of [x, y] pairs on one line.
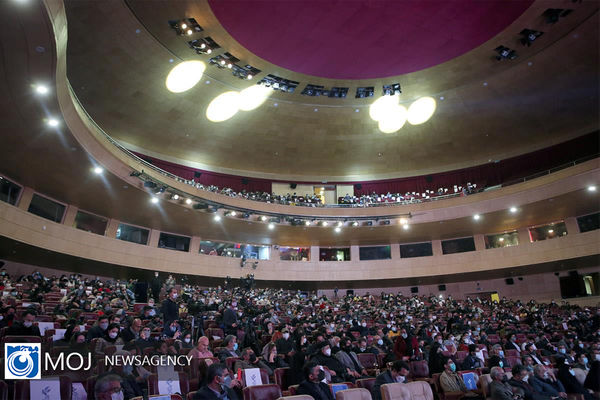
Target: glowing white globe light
[[394, 120], [421, 110], [252, 97], [223, 107], [382, 107], [184, 76]]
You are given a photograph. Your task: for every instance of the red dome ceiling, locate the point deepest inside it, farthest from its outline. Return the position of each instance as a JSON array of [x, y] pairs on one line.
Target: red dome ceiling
[[364, 39]]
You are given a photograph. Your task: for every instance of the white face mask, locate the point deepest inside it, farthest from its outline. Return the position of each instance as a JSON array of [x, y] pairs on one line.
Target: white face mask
[[328, 352], [27, 324], [572, 372], [400, 379], [187, 340], [364, 324], [525, 378], [286, 336], [117, 396], [380, 342], [112, 335]]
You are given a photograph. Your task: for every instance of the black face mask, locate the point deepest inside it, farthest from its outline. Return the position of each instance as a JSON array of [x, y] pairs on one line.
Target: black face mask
[[321, 375], [252, 358], [505, 379]]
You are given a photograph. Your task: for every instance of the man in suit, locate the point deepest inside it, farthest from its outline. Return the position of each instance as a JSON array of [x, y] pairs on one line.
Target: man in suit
[[397, 374], [170, 310], [497, 358], [499, 388], [217, 387], [512, 343], [312, 385], [471, 361], [25, 327], [520, 384], [230, 320], [544, 383]]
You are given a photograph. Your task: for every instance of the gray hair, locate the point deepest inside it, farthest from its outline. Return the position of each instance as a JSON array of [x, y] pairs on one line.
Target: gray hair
[[101, 385], [496, 372], [539, 369]]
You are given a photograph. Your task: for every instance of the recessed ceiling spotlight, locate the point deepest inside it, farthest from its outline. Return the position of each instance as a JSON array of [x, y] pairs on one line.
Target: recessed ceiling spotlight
[[98, 170], [208, 51], [271, 225], [154, 200], [340, 223], [189, 32], [217, 217], [357, 110], [175, 197], [188, 201], [442, 97], [476, 217], [249, 76], [41, 89], [355, 223], [307, 223], [53, 122], [230, 65], [171, 61], [325, 223], [405, 227], [183, 26], [485, 84], [501, 239], [403, 221], [263, 218], [513, 210], [550, 230], [275, 104], [592, 188], [233, 214], [338, 229], [222, 62], [316, 109]]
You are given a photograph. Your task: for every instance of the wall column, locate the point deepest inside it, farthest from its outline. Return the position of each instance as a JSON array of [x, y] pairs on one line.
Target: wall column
[[395, 251], [26, 197], [70, 214], [436, 247], [195, 245], [314, 254], [572, 226], [153, 239], [354, 253], [524, 238], [112, 227], [479, 242]]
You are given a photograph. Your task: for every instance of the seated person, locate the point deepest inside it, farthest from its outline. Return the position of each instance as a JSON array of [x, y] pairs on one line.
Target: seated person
[[273, 361], [521, 386], [349, 359], [398, 373], [110, 338], [249, 360], [450, 381], [230, 348], [471, 361], [544, 382], [25, 326], [324, 358], [201, 350], [497, 357], [499, 388], [567, 377], [312, 384], [217, 387]]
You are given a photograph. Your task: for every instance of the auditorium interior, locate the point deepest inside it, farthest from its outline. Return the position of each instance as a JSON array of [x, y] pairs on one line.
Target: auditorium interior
[[300, 199]]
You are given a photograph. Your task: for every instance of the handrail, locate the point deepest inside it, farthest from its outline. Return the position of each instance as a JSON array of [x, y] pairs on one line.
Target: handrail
[[161, 171]]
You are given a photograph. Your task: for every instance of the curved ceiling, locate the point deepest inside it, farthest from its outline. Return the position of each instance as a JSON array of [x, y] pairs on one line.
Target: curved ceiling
[[363, 39], [120, 52]]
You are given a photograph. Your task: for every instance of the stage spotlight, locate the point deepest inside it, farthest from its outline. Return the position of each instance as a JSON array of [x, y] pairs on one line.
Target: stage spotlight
[[217, 217], [154, 200], [476, 217], [188, 201], [98, 170], [271, 225]]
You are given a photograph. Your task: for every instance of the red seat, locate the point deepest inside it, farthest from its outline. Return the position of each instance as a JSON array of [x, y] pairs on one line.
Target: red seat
[[22, 389], [210, 332], [262, 392], [293, 389], [419, 369], [184, 383], [229, 361], [21, 339], [281, 376], [512, 361], [191, 395], [512, 353], [264, 377], [366, 383], [368, 360]]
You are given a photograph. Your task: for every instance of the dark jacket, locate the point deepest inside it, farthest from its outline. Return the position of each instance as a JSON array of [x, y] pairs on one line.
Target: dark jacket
[[206, 393], [494, 361], [501, 391], [546, 387], [310, 389], [571, 383], [170, 311], [17, 329], [471, 362], [382, 379], [529, 393], [229, 318]]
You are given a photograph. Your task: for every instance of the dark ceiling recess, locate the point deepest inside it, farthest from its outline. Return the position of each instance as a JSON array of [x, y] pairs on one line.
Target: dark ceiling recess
[[278, 83], [364, 92], [185, 27], [552, 15]]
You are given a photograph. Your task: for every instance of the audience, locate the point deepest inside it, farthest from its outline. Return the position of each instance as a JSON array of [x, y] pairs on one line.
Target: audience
[[321, 339]]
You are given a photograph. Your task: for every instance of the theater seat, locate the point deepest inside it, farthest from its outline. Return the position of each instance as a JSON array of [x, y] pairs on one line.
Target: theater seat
[[419, 390], [281, 376], [366, 383], [184, 383], [395, 391], [297, 397], [262, 392], [353, 394], [22, 389], [190, 395], [419, 369], [173, 397], [3, 391]]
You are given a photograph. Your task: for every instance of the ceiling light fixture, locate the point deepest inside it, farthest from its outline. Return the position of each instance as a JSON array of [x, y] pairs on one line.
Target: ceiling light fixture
[[325, 223], [154, 200], [340, 223], [307, 223], [98, 170], [591, 188], [175, 196], [476, 217], [355, 223], [188, 201], [223, 107], [217, 217], [338, 229], [41, 89], [550, 230], [513, 210], [184, 76], [249, 76], [403, 221], [263, 218], [405, 227], [271, 225], [53, 122]]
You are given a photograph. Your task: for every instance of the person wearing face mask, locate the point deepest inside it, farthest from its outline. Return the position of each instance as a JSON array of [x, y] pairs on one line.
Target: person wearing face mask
[[108, 387], [512, 343], [133, 331], [217, 387], [273, 361], [436, 356], [582, 362], [185, 342], [230, 319], [497, 358], [145, 340], [499, 388], [349, 359], [229, 349], [398, 373], [566, 375], [111, 338], [249, 360], [546, 384], [405, 345], [312, 384], [169, 308], [201, 350], [471, 361], [450, 381], [156, 285], [521, 386], [285, 345], [323, 357], [25, 327]]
